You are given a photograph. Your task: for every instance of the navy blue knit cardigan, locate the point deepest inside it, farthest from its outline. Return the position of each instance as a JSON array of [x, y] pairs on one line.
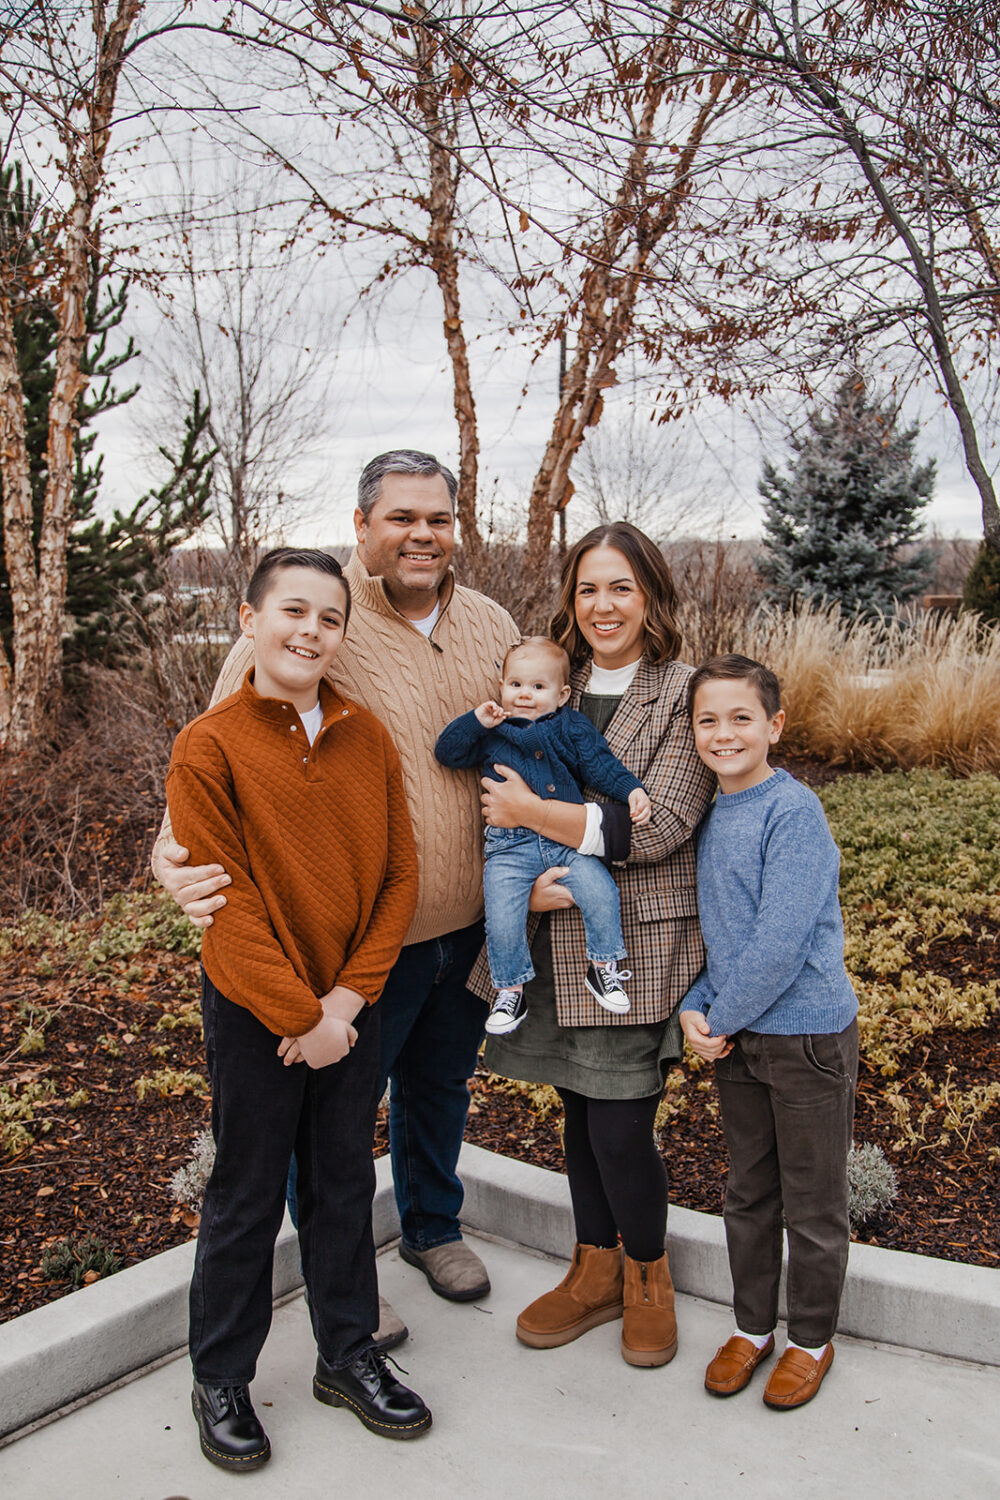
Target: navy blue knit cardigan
[[557, 754]]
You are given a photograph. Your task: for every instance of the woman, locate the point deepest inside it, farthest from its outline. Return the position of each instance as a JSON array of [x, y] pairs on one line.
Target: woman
[[617, 620]]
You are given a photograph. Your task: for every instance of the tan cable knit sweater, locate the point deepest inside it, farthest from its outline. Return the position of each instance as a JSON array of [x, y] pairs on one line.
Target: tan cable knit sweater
[[416, 686]]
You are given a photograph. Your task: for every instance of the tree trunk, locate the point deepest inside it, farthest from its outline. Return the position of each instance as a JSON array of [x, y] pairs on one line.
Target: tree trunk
[[442, 254], [18, 724], [926, 280], [38, 593], [602, 334]]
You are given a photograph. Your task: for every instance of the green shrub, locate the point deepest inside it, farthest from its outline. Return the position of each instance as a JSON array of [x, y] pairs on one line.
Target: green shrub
[[871, 1183], [187, 1185], [72, 1260], [981, 594], [18, 1105]]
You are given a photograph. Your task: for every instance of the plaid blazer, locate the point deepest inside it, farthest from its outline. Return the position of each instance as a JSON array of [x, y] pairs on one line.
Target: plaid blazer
[[651, 734]]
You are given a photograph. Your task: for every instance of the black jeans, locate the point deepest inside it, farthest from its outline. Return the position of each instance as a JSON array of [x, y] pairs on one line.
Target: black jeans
[[787, 1109], [432, 1029], [261, 1112]]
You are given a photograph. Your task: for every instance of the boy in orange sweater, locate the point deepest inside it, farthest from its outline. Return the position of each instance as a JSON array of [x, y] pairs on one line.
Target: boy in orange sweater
[[299, 794]]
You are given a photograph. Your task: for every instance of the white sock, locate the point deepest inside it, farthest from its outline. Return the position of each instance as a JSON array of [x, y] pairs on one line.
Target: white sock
[[813, 1353], [757, 1339]]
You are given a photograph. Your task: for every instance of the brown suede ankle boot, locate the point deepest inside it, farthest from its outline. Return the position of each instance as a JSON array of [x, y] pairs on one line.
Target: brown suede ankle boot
[[649, 1329], [589, 1294]]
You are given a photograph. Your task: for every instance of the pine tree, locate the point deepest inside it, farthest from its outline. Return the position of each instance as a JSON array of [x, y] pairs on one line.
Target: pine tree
[[837, 526], [982, 586], [105, 559]]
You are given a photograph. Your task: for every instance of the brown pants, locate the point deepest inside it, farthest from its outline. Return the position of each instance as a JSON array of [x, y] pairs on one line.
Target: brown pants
[[787, 1109]]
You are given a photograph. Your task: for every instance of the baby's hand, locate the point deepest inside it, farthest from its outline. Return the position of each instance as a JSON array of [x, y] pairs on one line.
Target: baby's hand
[[490, 714], [639, 806]]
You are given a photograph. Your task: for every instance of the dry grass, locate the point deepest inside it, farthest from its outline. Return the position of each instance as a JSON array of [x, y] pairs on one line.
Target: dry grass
[[901, 692]]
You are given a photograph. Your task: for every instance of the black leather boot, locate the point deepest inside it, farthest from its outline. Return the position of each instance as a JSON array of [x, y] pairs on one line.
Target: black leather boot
[[373, 1393], [231, 1435]]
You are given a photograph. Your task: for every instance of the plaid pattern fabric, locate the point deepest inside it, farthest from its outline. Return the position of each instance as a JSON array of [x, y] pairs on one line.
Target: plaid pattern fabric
[[651, 734]]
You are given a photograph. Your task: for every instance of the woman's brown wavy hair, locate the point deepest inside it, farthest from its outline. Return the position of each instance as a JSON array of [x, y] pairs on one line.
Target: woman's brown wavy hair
[[663, 636]]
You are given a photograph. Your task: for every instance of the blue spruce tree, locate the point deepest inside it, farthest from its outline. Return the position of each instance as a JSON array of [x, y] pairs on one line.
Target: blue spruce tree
[[842, 524]]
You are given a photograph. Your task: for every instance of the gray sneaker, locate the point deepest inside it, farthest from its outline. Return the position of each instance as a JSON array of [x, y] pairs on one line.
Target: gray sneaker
[[391, 1330]]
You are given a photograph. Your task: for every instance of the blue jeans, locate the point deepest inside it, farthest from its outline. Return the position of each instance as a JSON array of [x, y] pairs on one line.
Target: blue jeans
[[432, 1029], [515, 857]]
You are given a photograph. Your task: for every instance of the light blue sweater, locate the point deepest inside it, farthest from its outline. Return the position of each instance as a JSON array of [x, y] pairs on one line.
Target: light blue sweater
[[767, 898]]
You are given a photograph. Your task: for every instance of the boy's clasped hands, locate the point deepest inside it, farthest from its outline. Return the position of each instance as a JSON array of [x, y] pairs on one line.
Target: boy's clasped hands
[[698, 1035], [332, 1038]]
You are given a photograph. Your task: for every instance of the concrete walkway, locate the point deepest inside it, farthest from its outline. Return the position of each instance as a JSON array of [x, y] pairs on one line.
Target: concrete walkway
[[537, 1425]]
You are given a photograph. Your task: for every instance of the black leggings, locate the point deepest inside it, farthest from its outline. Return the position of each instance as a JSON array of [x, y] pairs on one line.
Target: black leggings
[[617, 1179]]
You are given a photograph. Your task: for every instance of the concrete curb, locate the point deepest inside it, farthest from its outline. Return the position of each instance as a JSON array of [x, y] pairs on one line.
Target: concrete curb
[[891, 1297], [103, 1332], [93, 1337]]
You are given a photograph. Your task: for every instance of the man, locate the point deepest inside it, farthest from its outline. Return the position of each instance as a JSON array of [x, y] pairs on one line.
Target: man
[[420, 649]]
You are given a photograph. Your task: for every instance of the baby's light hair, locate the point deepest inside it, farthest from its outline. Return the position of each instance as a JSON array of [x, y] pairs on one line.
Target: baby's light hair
[[542, 643], [734, 668]]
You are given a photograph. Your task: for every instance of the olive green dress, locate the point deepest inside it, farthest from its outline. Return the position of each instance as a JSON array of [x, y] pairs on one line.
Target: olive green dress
[[600, 1062]]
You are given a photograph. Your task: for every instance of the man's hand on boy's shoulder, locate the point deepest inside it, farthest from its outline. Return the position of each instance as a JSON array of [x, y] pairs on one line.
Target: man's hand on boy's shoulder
[[195, 888], [698, 1036]]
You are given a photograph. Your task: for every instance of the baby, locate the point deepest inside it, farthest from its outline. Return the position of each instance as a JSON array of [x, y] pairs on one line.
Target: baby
[[558, 752]]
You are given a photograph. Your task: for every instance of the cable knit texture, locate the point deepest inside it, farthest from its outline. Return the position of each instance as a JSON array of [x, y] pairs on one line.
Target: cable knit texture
[[317, 841], [556, 754], [416, 686]]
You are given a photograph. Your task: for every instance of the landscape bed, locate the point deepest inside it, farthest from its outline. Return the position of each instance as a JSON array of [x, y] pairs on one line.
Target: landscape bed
[[103, 1091]]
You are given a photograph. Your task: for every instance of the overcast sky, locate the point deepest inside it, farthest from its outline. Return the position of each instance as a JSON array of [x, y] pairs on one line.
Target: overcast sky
[[393, 389], [385, 382]]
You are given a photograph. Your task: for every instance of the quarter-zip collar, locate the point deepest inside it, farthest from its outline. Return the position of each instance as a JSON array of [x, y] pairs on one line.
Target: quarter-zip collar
[[369, 589], [283, 714]]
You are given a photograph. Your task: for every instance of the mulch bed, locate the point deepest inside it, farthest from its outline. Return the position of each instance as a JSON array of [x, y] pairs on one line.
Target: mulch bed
[[101, 1164], [104, 1166]]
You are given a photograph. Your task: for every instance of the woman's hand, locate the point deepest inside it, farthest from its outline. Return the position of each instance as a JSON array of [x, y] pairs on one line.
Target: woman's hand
[[509, 803], [193, 887]]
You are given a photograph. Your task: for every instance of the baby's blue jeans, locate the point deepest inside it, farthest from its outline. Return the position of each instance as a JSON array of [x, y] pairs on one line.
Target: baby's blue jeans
[[515, 857]]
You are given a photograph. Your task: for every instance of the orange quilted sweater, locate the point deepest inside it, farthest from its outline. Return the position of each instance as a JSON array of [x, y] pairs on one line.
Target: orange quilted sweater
[[318, 843]]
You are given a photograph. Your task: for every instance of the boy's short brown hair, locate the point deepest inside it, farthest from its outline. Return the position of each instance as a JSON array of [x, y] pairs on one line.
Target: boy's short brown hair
[[278, 558], [539, 643], [733, 668]]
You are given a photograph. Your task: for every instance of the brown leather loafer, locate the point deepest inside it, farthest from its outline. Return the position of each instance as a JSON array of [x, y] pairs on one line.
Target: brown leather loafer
[[796, 1378], [734, 1364]]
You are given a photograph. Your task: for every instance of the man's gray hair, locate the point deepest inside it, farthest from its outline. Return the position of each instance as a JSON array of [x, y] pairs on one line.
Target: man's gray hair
[[400, 461]]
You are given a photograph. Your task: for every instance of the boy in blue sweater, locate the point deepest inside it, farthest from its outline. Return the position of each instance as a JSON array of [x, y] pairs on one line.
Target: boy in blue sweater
[[557, 751], [773, 1008]]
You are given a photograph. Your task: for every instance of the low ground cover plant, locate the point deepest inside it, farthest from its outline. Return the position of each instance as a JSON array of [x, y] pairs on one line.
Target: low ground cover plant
[[114, 999]]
